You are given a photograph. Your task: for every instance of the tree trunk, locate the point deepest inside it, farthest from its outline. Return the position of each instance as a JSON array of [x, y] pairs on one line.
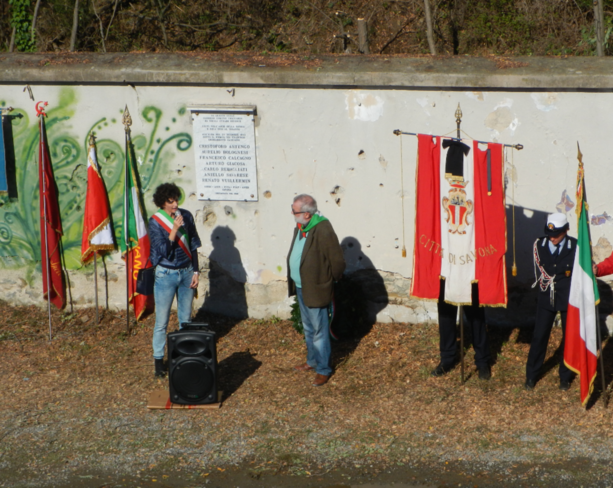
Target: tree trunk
[[12, 44], [429, 29], [363, 36], [75, 26], [599, 27], [33, 33]]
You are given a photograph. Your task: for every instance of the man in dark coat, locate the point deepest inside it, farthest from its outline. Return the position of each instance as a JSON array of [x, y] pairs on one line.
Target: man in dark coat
[[315, 261], [554, 256]]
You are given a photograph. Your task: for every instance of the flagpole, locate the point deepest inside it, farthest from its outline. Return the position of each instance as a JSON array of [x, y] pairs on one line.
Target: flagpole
[[605, 393], [127, 122], [462, 342], [458, 120], [92, 141], [96, 284], [44, 217], [106, 285]]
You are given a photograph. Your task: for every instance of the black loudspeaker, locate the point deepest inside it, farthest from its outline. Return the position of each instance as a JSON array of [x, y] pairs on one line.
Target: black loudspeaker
[[192, 365]]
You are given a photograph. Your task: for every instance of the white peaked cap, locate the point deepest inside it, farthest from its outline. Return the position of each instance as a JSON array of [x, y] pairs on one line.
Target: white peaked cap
[[558, 220]]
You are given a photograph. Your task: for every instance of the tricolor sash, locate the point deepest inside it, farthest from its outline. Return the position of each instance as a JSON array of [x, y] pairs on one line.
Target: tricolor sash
[[167, 222]]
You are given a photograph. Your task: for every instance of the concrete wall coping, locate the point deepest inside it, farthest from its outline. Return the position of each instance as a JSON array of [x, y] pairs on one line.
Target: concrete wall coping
[[295, 71]]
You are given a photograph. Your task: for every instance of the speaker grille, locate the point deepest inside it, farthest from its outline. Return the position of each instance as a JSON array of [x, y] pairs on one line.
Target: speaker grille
[[192, 379], [191, 347]]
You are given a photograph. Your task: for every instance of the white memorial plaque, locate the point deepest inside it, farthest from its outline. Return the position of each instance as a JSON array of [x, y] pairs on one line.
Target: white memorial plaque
[[224, 148]]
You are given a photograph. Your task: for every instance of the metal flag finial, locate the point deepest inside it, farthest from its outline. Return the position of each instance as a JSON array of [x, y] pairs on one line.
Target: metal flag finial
[[579, 154], [458, 118], [92, 139], [580, 185], [127, 120], [40, 108]]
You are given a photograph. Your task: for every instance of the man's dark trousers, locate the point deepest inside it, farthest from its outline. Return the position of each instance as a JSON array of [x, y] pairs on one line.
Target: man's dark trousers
[[475, 315], [540, 340]]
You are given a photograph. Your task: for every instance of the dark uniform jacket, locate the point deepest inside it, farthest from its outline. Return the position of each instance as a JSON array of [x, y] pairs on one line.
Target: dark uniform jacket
[[559, 265], [322, 264]]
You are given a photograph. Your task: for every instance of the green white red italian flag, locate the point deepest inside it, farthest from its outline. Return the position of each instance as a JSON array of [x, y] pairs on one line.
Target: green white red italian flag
[[581, 347], [134, 240]]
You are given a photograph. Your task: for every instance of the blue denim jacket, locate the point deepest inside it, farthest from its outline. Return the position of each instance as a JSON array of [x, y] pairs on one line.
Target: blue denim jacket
[[169, 254]]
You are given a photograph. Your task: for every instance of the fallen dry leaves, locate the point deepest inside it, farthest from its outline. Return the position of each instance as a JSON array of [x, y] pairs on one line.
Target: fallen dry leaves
[[83, 395]]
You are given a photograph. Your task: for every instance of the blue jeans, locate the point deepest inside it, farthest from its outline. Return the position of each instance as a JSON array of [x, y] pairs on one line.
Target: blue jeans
[[316, 335], [168, 283]]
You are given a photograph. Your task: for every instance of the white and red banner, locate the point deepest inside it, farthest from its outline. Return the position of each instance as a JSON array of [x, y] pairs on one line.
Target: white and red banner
[[460, 222], [581, 343], [97, 233]]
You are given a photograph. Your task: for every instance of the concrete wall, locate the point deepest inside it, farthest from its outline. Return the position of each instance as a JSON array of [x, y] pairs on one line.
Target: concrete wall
[[324, 127]]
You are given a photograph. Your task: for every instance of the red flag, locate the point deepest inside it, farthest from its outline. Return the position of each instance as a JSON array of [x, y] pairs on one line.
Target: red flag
[[50, 226], [97, 232], [490, 225], [460, 222], [427, 250]]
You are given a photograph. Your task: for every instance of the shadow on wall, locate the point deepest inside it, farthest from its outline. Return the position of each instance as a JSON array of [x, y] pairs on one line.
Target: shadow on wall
[[9, 154], [521, 308], [227, 277], [358, 297]]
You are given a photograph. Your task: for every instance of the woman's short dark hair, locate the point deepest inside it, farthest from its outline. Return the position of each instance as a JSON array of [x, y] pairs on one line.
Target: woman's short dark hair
[[165, 192]]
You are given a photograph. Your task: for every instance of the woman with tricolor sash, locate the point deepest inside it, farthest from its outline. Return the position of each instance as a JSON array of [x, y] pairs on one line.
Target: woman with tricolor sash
[[174, 253]]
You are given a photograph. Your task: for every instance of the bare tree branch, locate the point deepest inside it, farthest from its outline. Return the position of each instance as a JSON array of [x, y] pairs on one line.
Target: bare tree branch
[[101, 28], [394, 37], [111, 21], [161, 11]]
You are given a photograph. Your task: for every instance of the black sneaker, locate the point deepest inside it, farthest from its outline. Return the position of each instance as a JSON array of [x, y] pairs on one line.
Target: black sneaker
[[484, 372], [441, 369], [530, 384], [564, 385]]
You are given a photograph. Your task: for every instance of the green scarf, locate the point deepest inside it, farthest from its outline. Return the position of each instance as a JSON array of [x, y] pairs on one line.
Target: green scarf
[[315, 219]]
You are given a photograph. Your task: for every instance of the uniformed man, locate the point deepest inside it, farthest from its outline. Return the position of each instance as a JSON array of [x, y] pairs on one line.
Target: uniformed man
[[554, 255]]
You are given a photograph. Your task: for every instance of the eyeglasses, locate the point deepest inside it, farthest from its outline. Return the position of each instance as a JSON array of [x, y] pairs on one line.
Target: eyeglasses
[[297, 213], [171, 200]]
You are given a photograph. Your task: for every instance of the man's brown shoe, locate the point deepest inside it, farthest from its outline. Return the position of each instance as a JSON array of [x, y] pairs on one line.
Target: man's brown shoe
[[320, 380], [303, 367]]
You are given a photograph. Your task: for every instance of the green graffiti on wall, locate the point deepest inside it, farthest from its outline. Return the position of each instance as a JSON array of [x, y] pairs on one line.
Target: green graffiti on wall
[[19, 217]]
